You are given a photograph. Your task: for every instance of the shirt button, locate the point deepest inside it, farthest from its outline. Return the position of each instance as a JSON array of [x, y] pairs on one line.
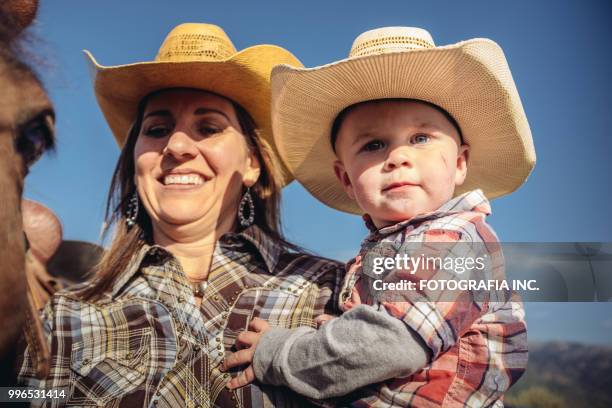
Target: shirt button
[[216, 298], [158, 393], [129, 356], [220, 354], [181, 299], [219, 347], [218, 339], [196, 347]]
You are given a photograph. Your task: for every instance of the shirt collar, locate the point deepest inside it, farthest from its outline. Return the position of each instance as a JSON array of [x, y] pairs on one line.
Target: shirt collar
[[267, 247], [474, 200]]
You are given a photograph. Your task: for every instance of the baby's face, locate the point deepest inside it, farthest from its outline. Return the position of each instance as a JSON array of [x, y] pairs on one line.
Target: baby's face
[[398, 159]]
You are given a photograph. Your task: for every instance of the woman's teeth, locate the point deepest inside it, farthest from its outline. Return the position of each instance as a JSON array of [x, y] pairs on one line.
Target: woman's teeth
[[183, 179]]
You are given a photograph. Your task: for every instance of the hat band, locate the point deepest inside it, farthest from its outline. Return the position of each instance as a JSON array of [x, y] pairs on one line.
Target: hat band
[[388, 44], [194, 47]]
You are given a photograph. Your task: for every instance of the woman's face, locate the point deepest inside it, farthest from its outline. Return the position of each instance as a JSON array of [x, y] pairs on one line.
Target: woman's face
[[191, 159]]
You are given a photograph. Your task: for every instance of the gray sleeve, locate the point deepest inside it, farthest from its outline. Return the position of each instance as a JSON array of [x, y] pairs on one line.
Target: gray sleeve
[[363, 346]]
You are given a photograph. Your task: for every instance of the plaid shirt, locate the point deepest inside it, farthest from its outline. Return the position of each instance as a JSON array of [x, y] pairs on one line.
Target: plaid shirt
[[478, 349], [147, 344]]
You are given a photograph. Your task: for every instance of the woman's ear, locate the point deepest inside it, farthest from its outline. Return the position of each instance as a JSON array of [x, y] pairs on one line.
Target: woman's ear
[[253, 170], [344, 179], [462, 159]]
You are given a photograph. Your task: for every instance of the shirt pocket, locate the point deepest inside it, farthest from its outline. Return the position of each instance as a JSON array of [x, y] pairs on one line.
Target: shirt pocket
[[108, 368], [282, 307]]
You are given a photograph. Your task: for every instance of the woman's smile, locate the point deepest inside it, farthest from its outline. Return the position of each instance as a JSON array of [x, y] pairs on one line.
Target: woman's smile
[[182, 179]]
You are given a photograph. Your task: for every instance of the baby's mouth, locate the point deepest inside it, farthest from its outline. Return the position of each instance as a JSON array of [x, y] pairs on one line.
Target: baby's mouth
[[399, 184]]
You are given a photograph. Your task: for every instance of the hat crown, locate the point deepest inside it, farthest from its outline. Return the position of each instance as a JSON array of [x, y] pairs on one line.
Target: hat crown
[[391, 39], [195, 42]]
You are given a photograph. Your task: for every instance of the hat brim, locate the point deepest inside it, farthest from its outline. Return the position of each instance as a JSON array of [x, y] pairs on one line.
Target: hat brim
[[471, 80], [243, 78]]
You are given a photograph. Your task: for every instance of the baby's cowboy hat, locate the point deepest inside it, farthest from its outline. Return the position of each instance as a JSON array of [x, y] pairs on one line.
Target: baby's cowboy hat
[[471, 80], [199, 56]]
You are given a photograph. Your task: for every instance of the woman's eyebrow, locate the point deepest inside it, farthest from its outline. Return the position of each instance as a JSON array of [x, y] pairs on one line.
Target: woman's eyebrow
[[162, 112], [204, 111]]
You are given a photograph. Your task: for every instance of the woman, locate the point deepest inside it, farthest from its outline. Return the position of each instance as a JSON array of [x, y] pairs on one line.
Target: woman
[[197, 252]]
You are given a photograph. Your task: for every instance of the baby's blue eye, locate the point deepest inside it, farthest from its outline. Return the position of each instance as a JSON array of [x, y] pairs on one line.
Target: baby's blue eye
[[373, 146], [420, 139]]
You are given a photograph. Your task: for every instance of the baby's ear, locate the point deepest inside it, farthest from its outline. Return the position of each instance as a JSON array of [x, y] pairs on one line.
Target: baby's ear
[[462, 160], [343, 178]]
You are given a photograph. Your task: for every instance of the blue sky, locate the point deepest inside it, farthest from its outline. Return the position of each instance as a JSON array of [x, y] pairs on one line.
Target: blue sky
[[559, 53]]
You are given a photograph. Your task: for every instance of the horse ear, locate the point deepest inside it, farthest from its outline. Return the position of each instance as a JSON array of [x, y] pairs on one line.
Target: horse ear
[[18, 14]]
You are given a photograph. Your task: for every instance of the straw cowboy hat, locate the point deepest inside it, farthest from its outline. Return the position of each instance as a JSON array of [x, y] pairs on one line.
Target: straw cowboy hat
[[471, 80], [199, 56]]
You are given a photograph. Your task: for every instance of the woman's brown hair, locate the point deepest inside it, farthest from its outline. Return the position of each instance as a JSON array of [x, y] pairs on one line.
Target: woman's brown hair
[[127, 241]]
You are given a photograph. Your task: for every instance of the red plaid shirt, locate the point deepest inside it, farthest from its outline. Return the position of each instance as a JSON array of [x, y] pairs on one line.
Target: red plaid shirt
[[478, 349]]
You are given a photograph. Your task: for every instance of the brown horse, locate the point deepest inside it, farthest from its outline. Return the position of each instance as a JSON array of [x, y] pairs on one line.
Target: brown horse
[[26, 131]]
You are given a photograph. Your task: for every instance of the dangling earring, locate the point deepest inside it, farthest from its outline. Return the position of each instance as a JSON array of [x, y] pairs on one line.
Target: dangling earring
[[131, 214], [246, 200]]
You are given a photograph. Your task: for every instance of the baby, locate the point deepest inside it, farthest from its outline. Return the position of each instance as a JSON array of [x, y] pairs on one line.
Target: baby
[[419, 173]]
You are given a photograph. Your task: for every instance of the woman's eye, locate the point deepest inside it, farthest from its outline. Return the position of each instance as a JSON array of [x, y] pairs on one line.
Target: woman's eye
[[373, 146], [420, 139], [157, 131], [35, 138], [209, 130]]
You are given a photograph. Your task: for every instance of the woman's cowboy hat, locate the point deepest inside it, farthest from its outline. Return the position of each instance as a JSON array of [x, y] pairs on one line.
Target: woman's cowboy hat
[[199, 56], [471, 80]]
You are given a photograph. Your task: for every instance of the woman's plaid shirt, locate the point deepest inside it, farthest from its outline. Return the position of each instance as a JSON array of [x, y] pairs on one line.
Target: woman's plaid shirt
[[147, 344]]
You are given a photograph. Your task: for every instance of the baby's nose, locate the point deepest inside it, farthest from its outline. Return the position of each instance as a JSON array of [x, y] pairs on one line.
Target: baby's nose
[[399, 157]]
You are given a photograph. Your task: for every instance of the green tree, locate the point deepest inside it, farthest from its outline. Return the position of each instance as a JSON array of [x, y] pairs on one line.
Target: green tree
[[535, 397]]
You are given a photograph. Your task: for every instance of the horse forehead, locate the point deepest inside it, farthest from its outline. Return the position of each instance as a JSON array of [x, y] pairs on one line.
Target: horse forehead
[[22, 96]]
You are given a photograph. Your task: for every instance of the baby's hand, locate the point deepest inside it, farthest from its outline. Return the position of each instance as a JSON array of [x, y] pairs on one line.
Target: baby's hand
[[322, 319], [246, 343], [354, 300]]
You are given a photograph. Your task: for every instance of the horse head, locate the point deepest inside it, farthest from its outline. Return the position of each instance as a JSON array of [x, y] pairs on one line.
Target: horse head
[[26, 132]]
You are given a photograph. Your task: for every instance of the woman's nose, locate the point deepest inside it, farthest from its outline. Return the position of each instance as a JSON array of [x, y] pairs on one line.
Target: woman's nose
[[180, 146], [401, 156]]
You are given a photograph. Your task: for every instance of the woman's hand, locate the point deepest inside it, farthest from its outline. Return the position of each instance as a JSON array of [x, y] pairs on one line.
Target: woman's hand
[[246, 343], [320, 320]]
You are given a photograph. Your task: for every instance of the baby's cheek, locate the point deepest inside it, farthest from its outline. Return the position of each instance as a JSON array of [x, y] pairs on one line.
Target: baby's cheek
[[366, 190], [439, 179], [366, 201]]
